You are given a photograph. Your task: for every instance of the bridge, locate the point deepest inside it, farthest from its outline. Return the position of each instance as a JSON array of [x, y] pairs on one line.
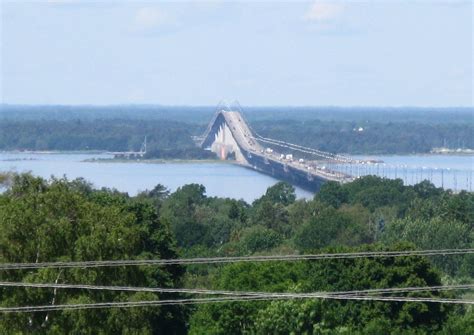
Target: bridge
[[231, 137]]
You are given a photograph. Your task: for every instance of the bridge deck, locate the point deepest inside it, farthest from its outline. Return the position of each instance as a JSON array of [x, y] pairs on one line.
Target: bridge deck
[[248, 142], [249, 145]]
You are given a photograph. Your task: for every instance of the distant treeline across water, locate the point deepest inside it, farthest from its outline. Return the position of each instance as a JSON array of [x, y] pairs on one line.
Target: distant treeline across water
[[169, 130]]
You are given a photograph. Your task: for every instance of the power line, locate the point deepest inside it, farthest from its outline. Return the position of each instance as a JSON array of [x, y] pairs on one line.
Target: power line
[[234, 293], [218, 260], [225, 299]]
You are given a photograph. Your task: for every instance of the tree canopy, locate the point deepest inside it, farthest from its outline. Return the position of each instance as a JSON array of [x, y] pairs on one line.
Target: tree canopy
[[63, 220]]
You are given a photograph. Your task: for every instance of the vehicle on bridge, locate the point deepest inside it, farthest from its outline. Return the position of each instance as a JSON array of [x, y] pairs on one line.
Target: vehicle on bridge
[[228, 135]]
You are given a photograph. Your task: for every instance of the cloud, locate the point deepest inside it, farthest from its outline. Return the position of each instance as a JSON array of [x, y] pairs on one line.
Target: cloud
[[323, 11], [151, 17]]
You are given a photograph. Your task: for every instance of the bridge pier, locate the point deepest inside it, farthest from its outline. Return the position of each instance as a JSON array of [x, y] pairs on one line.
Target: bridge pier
[[224, 144], [228, 134]]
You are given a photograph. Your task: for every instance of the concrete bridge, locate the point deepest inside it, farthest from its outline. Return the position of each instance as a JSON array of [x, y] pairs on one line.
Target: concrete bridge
[[230, 137]]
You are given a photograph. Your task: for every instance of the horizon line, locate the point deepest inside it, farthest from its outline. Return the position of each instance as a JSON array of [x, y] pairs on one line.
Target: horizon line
[[248, 106]]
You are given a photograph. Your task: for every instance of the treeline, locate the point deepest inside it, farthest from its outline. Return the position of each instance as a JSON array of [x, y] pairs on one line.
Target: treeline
[[165, 139], [69, 220], [171, 139], [369, 137]]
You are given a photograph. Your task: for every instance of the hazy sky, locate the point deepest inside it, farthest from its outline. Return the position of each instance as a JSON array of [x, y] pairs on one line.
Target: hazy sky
[[376, 53]]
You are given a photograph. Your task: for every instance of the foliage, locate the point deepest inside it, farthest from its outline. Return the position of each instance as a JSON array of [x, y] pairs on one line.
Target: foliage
[[169, 129], [369, 136], [258, 238], [68, 220], [60, 220], [322, 316], [165, 139]]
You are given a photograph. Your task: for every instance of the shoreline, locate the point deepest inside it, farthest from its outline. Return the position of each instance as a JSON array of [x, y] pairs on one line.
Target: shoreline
[[157, 161], [176, 160]]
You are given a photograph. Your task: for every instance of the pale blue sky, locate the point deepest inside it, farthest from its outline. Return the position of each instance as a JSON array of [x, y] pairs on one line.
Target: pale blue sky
[[344, 53]]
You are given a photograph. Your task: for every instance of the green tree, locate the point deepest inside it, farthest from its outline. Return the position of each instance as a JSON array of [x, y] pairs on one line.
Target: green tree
[[333, 227], [325, 316], [281, 193], [258, 238], [332, 193], [460, 324], [179, 210], [435, 233], [43, 221]]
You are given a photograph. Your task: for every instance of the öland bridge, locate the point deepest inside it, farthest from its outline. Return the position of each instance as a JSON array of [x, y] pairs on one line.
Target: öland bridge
[[230, 136]]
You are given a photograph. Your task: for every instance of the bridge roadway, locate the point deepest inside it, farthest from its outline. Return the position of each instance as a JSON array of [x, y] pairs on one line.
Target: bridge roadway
[[314, 174]]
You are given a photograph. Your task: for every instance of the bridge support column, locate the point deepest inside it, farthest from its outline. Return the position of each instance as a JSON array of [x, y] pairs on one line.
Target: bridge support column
[[225, 144]]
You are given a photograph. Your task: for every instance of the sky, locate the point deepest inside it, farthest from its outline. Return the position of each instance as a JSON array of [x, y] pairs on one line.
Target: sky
[[266, 53]]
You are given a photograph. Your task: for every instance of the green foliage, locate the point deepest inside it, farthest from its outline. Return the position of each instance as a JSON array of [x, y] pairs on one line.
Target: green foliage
[[165, 139], [43, 221], [379, 136], [435, 233], [258, 238], [460, 325], [333, 194], [314, 316], [69, 220], [198, 220], [333, 227], [280, 193], [239, 317], [169, 129]]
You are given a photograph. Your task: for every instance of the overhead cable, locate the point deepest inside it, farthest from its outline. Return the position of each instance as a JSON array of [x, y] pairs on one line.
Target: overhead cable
[[234, 293], [146, 303], [218, 260]]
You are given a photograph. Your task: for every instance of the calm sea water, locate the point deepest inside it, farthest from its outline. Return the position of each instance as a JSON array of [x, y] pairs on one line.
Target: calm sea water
[[227, 180], [448, 171], [223, 180]]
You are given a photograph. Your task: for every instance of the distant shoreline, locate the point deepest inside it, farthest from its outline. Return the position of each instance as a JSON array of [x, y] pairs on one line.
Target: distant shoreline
[[156, 161], [451, 152], [56, 152]]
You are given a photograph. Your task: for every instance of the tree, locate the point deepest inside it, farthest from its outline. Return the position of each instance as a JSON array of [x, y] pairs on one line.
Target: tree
[[459, 324], [239, 317], [325, 316], [333, 227], [280, 193], [258, 238], [434, 233], [59, 220], [179, 211], [332, 193]]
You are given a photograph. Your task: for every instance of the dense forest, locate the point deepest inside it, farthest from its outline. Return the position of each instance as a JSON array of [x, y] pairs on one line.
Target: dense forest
[[169, 129], [165, 139], [173, 139], [369, 137], [61, 220]]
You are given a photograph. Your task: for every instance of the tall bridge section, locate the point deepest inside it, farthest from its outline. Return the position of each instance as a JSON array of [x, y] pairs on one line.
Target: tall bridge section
[[230, 137]]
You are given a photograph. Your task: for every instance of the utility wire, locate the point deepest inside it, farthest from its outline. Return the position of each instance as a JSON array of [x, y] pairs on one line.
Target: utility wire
[[233, 293], [226, 299], [217, 260]]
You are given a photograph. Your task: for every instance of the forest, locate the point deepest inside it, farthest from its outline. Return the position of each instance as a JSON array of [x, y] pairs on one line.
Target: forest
[[173, 139], [69, 220]]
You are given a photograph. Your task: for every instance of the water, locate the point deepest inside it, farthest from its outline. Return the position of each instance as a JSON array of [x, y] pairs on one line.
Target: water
[[222, 180], [448, 171], [227, 180]]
